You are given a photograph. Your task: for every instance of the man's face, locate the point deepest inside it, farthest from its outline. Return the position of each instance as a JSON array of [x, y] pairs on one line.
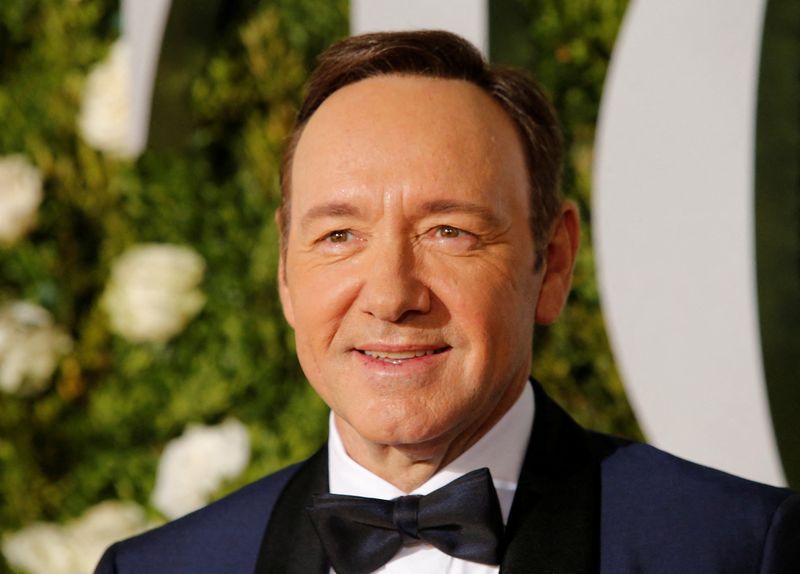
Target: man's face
[[409, 270]]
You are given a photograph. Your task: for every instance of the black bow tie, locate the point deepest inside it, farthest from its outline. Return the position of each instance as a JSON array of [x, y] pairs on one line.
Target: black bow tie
[[461, 519]]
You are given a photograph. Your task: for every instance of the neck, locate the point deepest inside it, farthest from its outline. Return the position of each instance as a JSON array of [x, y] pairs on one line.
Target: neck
[[407, 466]]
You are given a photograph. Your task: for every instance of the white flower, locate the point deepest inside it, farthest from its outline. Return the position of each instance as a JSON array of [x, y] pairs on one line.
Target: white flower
[[153, 293], [20, 196], [194, 465], [101, 526], [105, 116], [39, 548], [30, 348], [76, 547]]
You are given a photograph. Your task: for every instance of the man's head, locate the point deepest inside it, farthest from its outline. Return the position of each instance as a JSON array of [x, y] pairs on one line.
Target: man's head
[[409, 270], [439, 54]]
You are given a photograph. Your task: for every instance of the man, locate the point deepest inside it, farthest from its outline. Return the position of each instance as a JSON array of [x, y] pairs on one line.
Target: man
[[422, 238]]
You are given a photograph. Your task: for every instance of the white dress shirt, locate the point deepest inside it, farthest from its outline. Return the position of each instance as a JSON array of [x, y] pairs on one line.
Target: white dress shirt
[[502, 450]]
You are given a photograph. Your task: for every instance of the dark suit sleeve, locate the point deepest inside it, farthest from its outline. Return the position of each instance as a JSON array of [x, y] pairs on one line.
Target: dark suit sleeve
[[782, 546], [108, 563]]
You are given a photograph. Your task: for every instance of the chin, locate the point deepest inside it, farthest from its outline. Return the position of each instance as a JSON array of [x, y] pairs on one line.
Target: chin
[[401, 432]]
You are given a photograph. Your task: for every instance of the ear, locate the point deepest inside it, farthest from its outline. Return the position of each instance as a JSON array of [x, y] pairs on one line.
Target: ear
[[558, 265], [283, 287]]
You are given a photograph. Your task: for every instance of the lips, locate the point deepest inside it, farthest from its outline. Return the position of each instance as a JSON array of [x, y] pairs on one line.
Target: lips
[[398, 357]]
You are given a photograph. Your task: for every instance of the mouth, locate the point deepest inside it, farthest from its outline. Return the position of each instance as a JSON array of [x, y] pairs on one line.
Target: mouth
[[401, 357]]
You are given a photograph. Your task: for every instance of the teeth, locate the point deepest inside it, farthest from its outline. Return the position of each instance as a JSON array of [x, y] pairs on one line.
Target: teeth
[[395, 357]]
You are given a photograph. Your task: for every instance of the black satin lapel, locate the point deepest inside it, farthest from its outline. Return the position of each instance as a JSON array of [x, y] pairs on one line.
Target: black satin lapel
[[290, 544], [554, 525]]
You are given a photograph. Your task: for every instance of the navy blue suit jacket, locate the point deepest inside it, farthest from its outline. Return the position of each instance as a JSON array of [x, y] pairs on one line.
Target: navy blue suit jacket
[[585, 502]]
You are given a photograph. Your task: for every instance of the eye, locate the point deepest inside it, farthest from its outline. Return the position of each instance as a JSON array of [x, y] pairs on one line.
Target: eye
[[449, 232], [339, 236], [453, 239], [340, 242]]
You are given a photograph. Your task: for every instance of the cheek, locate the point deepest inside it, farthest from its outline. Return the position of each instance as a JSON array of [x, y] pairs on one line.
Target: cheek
[[488, 294], [491, 311], [321, 296]]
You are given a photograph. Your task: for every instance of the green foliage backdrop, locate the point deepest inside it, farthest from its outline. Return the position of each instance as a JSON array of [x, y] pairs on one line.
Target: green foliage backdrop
[[97, 431]]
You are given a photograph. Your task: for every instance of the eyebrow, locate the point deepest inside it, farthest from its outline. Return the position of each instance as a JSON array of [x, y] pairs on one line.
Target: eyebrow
[[433, 207], [331, 209], [439, 206]]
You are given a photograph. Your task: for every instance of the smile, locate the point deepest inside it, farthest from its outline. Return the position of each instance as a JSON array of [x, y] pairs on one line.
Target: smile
[[399, 357]]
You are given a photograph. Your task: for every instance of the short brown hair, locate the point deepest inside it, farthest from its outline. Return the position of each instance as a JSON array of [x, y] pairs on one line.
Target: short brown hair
[[439, 54]]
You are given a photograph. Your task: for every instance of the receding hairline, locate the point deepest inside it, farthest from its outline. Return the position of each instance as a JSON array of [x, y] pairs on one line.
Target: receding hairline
[[462, 104], [443, 55], [473, 105], [297, 135]]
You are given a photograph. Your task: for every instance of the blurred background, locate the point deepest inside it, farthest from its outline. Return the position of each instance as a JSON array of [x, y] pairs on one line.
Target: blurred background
[[145, 365]]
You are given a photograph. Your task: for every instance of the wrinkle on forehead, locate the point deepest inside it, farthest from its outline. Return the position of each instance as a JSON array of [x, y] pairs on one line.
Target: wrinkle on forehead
[[392, 135], [406, 115]]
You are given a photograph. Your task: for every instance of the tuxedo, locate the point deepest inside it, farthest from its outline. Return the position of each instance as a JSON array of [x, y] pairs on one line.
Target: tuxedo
[[585, 502]]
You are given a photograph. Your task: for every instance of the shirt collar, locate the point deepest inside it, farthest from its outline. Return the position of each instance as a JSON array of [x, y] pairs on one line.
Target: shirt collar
[[502, 450]]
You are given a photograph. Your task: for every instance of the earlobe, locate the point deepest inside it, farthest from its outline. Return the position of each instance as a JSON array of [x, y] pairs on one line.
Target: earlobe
[[283, 292], [283, 287], [561, 253]]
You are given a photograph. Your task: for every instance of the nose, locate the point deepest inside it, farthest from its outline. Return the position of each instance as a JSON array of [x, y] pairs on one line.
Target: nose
[[393, 289]]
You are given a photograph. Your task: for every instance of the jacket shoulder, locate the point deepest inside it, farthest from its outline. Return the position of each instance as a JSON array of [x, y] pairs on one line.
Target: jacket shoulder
[[224, 536], [678, 513]]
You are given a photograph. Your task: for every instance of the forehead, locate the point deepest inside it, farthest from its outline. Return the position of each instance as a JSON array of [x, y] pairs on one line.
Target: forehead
[[412, 131]]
